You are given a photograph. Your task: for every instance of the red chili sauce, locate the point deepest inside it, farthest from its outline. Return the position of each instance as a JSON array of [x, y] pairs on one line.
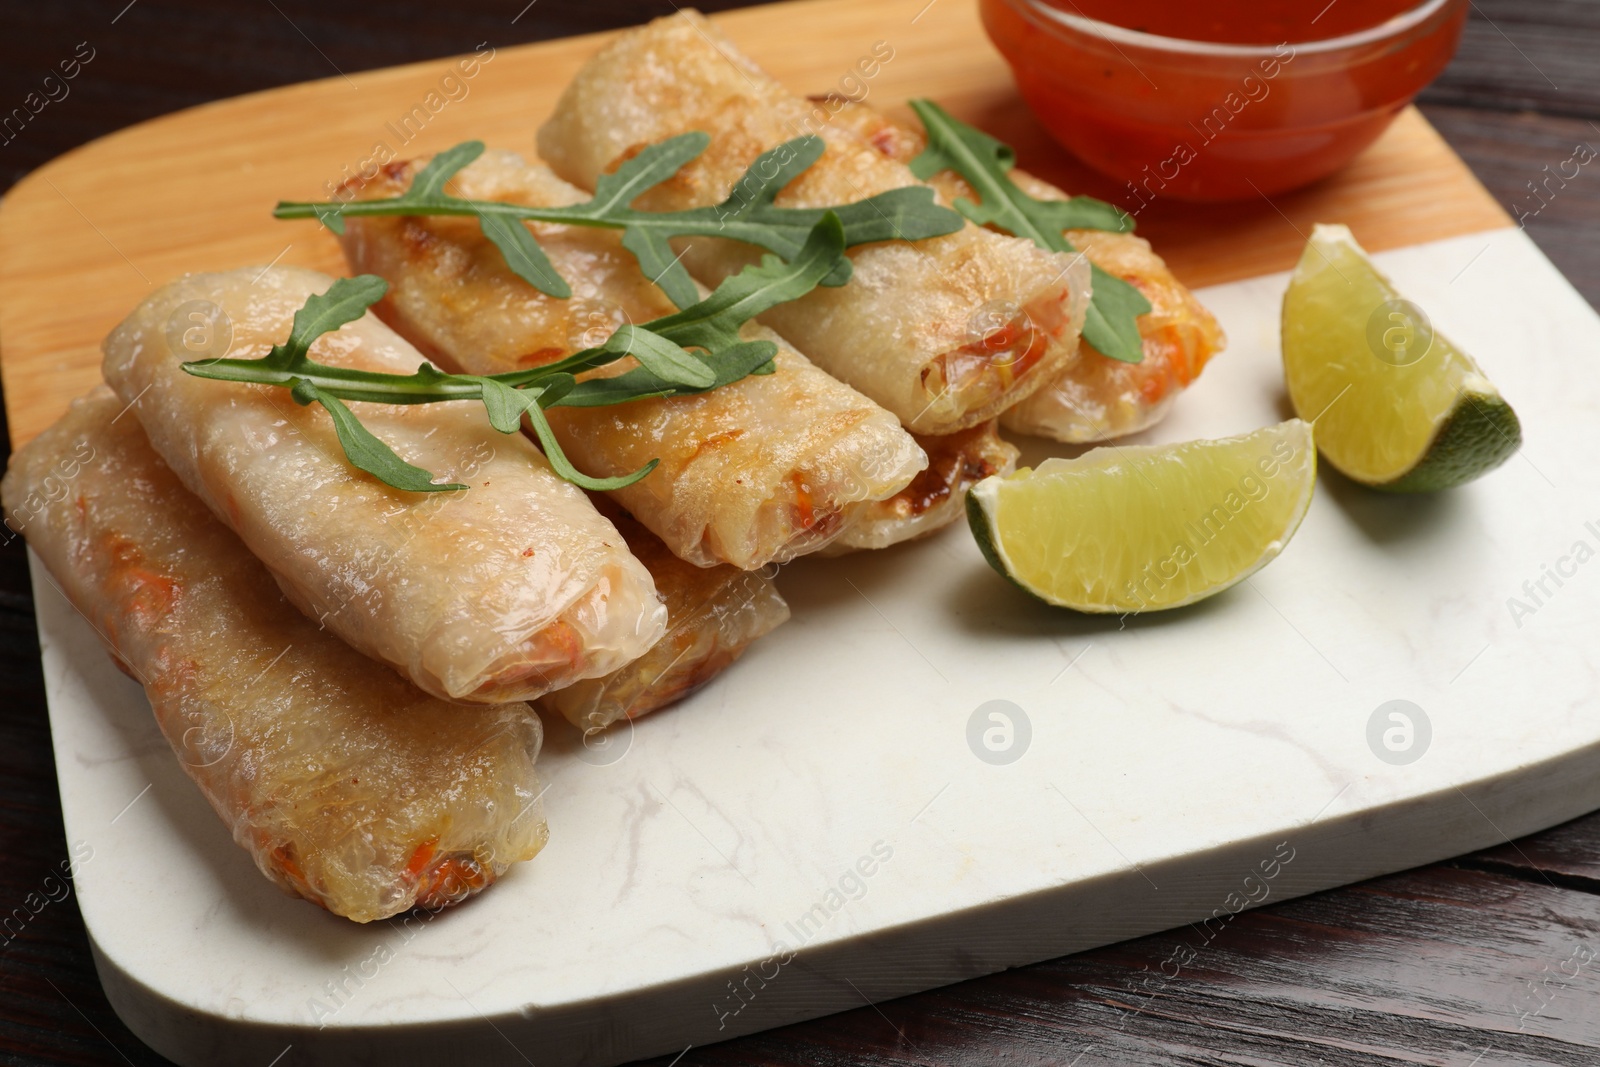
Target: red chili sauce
[[1207, 124]]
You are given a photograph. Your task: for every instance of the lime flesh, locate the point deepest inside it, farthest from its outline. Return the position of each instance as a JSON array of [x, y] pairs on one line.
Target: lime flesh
[[1396, 405], [1143, 528]]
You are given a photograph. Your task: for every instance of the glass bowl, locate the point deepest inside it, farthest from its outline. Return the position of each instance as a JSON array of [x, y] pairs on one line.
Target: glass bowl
[[1198, 120]]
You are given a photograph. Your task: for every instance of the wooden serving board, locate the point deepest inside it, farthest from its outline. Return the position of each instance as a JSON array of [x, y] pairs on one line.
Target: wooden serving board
[[818, 828], [84, 238]]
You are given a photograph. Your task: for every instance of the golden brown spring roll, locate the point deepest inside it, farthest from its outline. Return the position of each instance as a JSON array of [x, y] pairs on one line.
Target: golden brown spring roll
[[1095, 398], [346, 784], [713, 615], [756, 472], [1100, 398], [505, 590], [946, 332], [936, 497]]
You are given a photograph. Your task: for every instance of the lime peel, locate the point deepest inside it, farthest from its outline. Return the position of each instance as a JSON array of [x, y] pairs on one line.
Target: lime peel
[[1414, 425]]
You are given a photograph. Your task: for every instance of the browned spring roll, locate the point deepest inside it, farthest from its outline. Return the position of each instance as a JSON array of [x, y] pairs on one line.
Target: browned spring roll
[[345, 783], [1096, 397], [504, 590], [946, 332], [713, 615], [936, 497], [759, 471]]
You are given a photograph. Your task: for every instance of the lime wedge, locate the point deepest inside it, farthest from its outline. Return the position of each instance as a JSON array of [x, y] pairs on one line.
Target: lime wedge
[[1141, 528], [1396, 405]]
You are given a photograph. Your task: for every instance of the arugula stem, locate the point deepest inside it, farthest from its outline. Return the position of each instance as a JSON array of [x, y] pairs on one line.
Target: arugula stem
[[571, 215], [1111, 325], [750, 213], [689, 352], [341, 382]]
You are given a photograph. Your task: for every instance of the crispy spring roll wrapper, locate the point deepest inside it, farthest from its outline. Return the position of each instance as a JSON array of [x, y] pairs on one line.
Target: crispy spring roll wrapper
[[756, 472], [713, 614], [348, 785], [936, 497], [502, 591], [946, 333], [1096, 397], [1099, 398]]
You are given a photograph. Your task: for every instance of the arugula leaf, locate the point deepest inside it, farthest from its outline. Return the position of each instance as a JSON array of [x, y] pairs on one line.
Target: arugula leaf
[[506, 405], [563, 466], [552, 387], [624, 388], [614, 193], [749, 214], [330, 215], [661, 357], [345, 301], [714, 322], [656, 260], [667, 367], [523, 254], [731, 364], [363, 448], [428, 185], [714, 325], [1111, 325], [743, 359], [640, 173], [985, 162]]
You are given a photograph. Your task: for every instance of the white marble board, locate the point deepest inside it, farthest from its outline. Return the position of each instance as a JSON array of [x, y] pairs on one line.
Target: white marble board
[[1178, 767]]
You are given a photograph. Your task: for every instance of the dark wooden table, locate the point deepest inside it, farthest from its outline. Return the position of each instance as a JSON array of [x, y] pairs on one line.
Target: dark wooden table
[[1490, 959]]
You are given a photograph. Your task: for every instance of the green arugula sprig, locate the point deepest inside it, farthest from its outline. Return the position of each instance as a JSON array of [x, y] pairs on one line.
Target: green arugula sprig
[[1112, 323], [748, 214], [692, 351]]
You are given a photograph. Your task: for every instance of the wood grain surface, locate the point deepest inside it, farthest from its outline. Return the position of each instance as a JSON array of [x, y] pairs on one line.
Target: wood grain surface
[[1472, 963]]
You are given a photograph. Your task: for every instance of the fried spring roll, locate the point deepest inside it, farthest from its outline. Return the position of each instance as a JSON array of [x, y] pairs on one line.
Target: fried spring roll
[[937, 496], [1099, 398], [713, 614], [1095, 398], [346, 784], [505, 590], [756, 472], [946, 333]]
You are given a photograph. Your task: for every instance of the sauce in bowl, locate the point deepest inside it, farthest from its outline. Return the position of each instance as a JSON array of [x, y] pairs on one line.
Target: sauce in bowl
[[1220, 99], [1241, 21]]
